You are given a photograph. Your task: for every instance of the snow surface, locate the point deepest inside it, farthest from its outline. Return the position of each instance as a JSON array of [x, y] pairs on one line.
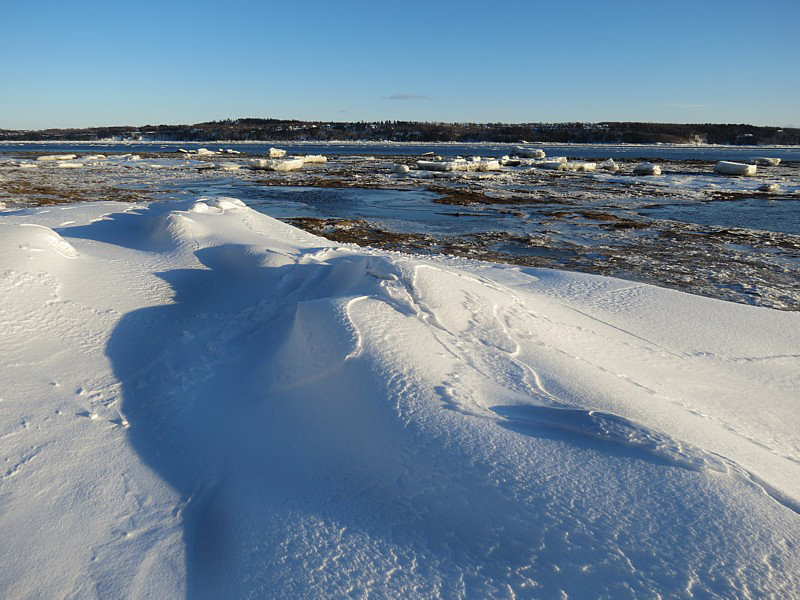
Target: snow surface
[[201, 401]]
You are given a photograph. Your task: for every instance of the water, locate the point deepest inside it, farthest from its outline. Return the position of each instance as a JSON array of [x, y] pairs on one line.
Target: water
[[593, 151], [780, 216], [688, 229]]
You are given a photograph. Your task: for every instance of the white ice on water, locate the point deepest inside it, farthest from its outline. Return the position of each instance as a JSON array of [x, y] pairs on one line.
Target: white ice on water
[[646, 168], [734, 168], [201, 401]]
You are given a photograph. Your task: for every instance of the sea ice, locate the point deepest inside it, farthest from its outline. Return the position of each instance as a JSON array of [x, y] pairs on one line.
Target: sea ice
[[314, 159], [725, 167], [646, 168], [53, 157], [608, 165], [529, 152], [766, 162], [277, 164]]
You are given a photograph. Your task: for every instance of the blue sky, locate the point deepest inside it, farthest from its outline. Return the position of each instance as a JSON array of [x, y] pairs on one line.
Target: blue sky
[[84, 63]]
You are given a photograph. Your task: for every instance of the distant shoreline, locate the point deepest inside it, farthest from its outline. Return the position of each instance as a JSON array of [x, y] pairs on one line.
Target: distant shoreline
[[265, 130], [278, 142]]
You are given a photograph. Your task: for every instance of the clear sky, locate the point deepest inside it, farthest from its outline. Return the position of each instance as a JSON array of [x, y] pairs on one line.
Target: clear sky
[[134, 62]]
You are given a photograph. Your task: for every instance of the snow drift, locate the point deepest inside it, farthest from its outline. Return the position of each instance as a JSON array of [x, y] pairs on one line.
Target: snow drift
[[200, 400]]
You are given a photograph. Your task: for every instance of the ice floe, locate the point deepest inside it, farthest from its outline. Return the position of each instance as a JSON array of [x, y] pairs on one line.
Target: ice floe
[[734, 168], [646, 168], [766, 162]]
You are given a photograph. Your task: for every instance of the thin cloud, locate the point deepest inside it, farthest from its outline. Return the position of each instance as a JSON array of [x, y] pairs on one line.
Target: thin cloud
[[406, 97], [691, 106]]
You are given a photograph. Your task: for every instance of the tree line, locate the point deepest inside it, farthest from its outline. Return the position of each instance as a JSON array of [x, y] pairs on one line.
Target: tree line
[[258, 129]]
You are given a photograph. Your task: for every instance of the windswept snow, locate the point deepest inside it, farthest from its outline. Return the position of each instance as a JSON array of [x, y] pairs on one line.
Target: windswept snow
[[200, 400]]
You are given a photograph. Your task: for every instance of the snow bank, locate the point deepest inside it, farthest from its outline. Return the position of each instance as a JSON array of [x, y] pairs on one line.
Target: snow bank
[[646, 168], [201, 401], [733, 168]]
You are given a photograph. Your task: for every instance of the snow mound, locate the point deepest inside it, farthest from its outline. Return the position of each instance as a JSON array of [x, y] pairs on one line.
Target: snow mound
[[725, 167], [201, 401], [217, 205], [29, 247]]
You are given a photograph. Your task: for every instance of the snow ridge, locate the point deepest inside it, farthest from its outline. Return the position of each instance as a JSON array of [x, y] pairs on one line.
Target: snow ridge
[[260, 412]]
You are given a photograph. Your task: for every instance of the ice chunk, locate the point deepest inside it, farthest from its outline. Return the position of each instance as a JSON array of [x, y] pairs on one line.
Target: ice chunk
[[231, 151], [458, 164], [766, 161], [552, 165], [70, 165], [277, 153], [276, 164], [400, 169], [205, 152], [314, 159], [733, 168], [487, 165], [433, 165], [507, 161], [608, 165], [51, 157], [229, 166], [529, 152], [587, 167], [770, 188], [646, 168]]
